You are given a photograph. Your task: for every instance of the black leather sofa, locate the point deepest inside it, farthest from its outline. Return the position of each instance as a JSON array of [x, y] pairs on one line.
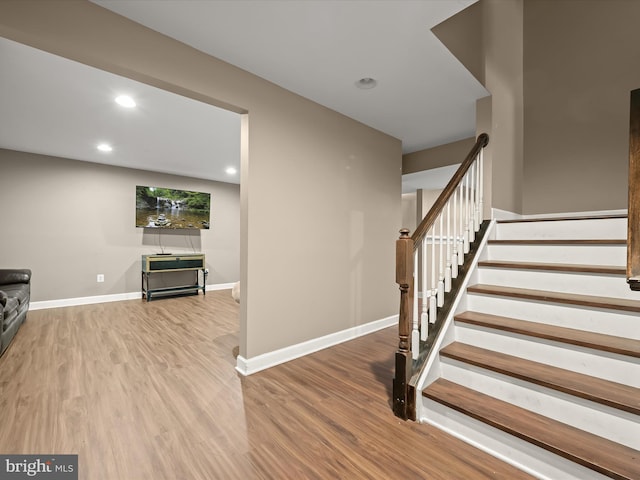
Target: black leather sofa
[[15, 292]]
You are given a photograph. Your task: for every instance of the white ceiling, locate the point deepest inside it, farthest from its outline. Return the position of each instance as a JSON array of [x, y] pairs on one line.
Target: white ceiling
[[315, 48], [54, 106]]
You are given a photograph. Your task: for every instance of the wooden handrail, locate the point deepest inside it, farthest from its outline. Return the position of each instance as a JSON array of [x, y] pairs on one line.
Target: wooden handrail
[[633, 222], [430, 218], [409, 332]]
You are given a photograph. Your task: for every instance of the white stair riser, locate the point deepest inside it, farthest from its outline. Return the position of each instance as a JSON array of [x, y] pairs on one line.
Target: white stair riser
[[520, 453], [615, 425], [575, 254], [602, 285], [609, 366], [563, 229], [608, 322]]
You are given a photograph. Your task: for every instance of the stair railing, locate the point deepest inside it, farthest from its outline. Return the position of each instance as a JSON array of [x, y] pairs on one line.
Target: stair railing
[[430, 258], [633, 220]]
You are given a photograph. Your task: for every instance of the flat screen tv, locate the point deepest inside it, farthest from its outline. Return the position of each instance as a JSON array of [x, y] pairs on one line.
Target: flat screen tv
[[158, 207]]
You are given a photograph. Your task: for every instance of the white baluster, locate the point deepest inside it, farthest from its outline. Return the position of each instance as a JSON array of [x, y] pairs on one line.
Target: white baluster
[[441, 263], [415, 334], [454, 259], [476, 177], [472, 202], [424, 317], [467, 237], [447, 274], [461, 224], [434, 286], [481, 189]]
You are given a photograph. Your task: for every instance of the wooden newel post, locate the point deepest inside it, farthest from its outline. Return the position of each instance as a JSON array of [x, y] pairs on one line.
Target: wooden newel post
[[403, 406], [633, 220]]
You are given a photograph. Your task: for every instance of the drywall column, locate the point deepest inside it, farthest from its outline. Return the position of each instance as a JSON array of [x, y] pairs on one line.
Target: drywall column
[[503, 67], [487, 37]]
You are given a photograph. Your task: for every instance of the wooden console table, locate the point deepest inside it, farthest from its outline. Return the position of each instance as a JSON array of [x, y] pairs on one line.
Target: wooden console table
[[152, 264]]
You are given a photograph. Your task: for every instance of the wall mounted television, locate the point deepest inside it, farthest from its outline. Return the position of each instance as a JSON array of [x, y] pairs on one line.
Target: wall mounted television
[[158, 207]]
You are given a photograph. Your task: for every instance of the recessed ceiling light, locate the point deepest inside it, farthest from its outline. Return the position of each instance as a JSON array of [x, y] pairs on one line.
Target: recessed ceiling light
[[231, 171], [366, 83], [104, 147], [125, 101]]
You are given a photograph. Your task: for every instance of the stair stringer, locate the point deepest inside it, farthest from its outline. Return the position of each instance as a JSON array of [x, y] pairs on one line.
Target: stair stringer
[[432, 368]]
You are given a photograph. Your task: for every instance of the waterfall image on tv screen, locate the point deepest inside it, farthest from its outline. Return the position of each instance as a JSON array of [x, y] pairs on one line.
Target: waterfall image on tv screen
[[170, 208]]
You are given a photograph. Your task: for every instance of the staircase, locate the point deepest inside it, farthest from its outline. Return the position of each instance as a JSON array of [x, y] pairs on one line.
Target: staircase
[[541, 364]]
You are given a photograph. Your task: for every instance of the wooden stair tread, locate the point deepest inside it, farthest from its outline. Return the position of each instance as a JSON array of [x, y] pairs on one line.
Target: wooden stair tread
[[560, 241], [605, 392], [594, 452], [558, 297], [598, 341], [562, 219], [556, 267]]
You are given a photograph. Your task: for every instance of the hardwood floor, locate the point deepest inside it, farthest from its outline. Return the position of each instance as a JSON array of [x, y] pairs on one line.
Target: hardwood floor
[[148, 391]]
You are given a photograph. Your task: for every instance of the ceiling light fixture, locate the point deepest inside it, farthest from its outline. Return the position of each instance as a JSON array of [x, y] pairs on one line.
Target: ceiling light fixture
[[104, 147], [366, 83], [125, 101], [231, 171]]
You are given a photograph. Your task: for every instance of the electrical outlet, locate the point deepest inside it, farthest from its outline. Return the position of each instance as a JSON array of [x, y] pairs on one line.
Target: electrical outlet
[[100, 278]]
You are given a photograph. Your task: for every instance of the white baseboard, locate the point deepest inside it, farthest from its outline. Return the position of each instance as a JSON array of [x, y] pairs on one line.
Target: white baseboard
[[71, 302], [498, 214], [116, 297], [248, 366], [591, 213], [220, 286]]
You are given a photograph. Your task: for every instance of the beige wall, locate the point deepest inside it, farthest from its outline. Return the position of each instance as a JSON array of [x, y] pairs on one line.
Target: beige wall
[[440, 156], [409, 211], [463, 35], [560, 73], [503, 58], [429, 197], [416, 205], [487, 38], [70, 220], [580, 65], [320, 193]]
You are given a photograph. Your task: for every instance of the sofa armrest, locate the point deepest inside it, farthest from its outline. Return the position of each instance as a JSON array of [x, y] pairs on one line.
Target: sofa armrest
[[3, 300], [14, 275]]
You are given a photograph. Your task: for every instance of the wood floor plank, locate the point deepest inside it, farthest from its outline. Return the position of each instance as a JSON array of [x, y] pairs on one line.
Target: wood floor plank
[[597, 341], [148, 390], [597, 453], [611, 394]]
